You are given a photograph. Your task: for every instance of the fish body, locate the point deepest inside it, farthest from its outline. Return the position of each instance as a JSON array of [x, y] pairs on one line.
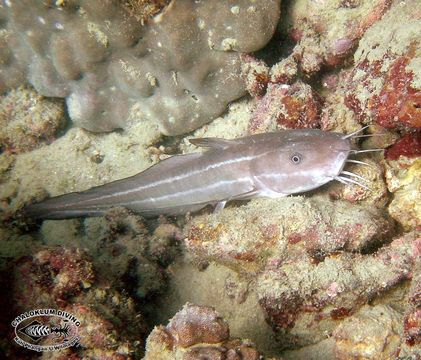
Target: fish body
[[265, 165]]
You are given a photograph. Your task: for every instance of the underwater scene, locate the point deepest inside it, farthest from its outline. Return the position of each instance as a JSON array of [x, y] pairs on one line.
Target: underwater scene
[[210, 179]]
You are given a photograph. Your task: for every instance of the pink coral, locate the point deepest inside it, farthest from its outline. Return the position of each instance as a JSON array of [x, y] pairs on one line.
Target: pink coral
[[384, 83], [197, 332], [283, 106], [51, 276], [62, 278], [409, 146], [325, 38], [317, 295]]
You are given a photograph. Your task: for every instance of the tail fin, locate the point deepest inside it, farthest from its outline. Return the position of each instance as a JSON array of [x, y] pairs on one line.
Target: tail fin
[[61, 207]]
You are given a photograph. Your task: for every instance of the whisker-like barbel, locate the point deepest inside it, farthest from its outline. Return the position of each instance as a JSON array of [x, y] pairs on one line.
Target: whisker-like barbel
[[352, 174], [359, 162], [348, 181], [352, 135], [364, 151], [369, 135]]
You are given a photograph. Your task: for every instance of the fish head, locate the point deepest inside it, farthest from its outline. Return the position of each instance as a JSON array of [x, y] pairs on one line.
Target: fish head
[[303, 160]]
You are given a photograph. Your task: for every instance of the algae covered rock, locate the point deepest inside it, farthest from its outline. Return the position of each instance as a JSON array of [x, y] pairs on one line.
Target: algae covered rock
[[403, 177], [248, 237], [373, 333], [385, 83], [303, 299], [327, 32], [63, 278]]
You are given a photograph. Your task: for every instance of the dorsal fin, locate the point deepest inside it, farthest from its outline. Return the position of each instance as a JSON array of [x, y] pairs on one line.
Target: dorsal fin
[[213, 143]]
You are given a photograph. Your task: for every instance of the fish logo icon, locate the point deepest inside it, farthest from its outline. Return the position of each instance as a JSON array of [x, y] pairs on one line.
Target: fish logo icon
[[36, 330], [46, 330]]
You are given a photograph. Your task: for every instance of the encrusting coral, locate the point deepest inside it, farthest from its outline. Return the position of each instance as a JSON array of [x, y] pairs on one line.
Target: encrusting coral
[[197, 332], [283, 230], [384, 85], [182, 66], [63, 278], [403, 178], [331, 274], [327, 32], [27, 120]]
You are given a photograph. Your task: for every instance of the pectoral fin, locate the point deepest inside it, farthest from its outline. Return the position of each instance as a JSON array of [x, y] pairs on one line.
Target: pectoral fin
[[219, 207], [247, 195]]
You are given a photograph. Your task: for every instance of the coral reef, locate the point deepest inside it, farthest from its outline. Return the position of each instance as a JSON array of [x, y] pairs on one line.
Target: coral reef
[[403, 177], [327, 32], [385, 82], [282, 231], [63, 278], [332, 274], [332, 289], [73, 162], [197, 332], [123, 253], [182, 66], [27, 120], [313, 269], [286, 107], [373, 333]]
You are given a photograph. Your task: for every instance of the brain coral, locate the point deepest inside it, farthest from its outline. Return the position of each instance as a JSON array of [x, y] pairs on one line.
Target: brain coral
[[182, 67]]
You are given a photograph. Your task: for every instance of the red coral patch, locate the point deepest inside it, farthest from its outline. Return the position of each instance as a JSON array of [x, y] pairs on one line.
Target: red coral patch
[[409, 145]]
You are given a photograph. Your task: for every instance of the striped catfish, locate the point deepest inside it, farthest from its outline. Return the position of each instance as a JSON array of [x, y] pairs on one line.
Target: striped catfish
[[265, 165]]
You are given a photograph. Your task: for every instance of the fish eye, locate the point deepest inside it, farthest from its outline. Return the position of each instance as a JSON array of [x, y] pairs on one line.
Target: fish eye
[[296, 158]]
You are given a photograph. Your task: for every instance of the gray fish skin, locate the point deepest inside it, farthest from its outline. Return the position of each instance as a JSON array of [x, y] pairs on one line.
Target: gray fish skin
[[265, 165]]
